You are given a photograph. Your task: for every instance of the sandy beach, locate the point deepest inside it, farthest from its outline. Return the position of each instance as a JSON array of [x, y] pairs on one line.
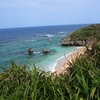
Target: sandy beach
[[62, 63]]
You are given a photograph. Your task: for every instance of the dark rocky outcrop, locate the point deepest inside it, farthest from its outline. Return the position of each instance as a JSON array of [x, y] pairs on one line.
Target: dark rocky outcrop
[[46, 51], [30, 51], [68, 42]]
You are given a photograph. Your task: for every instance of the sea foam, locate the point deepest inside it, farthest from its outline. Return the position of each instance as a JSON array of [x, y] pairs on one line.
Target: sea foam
[[48, 35]]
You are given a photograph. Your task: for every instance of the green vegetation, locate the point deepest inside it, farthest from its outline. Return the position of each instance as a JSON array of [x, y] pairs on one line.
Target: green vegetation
[[85, 73], [85, 33], [86, 36], [81, 83]]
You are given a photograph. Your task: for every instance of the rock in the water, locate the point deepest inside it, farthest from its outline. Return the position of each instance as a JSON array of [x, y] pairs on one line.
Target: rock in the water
[[46, 50], [50, 40], [30, 51]]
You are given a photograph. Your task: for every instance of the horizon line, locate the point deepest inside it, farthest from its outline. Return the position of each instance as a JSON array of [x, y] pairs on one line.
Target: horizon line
[[47, 25]]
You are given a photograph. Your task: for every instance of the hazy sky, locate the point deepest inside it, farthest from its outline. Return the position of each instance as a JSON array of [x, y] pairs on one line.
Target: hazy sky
[[25, 13]]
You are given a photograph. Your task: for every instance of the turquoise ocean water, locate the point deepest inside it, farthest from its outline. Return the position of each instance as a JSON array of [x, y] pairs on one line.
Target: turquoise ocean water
[[14, 44]]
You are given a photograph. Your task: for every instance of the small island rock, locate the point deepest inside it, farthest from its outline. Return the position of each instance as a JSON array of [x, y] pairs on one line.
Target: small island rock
[[30, 51], [46, 50]]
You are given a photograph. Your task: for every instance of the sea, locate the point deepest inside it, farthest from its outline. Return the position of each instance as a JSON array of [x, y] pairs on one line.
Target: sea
[[15, 42]]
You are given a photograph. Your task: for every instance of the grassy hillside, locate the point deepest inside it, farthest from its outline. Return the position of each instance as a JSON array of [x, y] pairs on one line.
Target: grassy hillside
[[83, 37], [92, 31]]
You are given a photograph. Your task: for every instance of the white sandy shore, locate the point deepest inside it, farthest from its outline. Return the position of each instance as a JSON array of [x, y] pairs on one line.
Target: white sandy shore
[[62, 63]]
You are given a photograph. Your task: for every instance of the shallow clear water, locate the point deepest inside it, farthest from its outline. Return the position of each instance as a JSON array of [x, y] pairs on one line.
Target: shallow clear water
[[14, 44]]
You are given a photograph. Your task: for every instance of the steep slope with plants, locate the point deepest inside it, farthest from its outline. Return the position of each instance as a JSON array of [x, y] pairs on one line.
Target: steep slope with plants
[[85, 36]]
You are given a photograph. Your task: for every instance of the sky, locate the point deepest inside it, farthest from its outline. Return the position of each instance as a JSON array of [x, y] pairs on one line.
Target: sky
[[28, 13]]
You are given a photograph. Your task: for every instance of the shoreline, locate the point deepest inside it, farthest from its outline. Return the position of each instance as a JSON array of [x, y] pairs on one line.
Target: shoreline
[[61, 63], [55, 63]]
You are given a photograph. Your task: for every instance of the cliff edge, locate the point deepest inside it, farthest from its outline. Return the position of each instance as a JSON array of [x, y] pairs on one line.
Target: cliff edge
[[83, 37]]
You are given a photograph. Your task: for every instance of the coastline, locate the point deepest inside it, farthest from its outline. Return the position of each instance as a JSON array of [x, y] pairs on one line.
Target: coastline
[[62, 63]]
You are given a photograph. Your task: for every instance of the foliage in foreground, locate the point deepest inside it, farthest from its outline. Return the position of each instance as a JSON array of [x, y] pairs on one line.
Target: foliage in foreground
[[20, 83], [82, 83]]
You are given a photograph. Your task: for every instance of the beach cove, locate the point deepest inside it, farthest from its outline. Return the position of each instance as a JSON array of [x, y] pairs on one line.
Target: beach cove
[[63, 62], [14, 44]]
